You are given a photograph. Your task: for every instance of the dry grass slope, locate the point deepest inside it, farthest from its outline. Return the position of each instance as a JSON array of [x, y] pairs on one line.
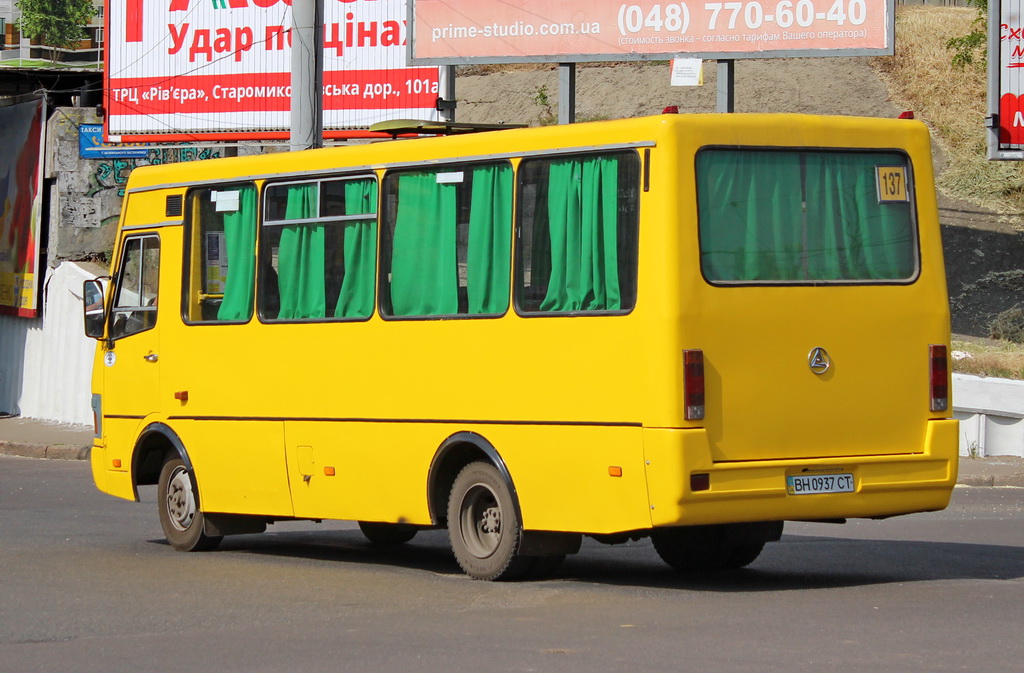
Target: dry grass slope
[[1002, 359], [952, 100]]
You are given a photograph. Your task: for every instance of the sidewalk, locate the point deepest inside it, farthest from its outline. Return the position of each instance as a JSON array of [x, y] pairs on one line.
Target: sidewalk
[[39, 439]]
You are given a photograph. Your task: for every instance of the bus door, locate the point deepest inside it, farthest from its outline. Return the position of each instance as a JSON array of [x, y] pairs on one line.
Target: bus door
[[131, 355]]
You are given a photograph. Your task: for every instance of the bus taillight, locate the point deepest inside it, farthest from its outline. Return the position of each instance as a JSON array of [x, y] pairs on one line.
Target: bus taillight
[[693, 384], [939, 377]]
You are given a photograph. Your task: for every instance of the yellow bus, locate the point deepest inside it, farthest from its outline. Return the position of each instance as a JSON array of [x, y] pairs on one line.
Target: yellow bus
[[688, 327]]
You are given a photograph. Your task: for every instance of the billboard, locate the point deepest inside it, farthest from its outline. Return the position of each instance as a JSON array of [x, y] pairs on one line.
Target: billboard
[[21, 140], [505, 31], [1006, 80], [221, 69]]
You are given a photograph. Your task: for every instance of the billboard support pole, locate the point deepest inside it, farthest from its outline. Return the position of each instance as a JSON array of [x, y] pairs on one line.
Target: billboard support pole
[[566, 93], [726, 85], [446, 100], [994, 62], [307, 104]]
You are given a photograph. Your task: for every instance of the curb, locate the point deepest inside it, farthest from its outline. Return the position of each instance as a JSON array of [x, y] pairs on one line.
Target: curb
[[1014, 480], [56, 452]]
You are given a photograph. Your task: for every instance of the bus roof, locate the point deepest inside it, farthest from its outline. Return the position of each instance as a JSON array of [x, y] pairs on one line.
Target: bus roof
[[749, 129]]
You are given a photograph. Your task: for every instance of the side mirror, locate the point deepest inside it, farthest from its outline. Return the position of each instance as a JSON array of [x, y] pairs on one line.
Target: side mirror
[[94, 310]]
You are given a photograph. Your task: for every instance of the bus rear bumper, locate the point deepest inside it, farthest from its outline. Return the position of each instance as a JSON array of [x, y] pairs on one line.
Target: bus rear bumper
[[883, 485]]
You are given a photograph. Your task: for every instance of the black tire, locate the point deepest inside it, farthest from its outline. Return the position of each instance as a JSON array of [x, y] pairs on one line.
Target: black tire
[[180, 514], [703, 549], [387, 533], [483, 527]]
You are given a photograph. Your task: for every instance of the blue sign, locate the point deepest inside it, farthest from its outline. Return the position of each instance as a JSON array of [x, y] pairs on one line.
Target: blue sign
[[91, 145]]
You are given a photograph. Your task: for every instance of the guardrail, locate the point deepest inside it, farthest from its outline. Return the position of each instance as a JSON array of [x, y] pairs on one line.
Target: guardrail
[[991, 414]]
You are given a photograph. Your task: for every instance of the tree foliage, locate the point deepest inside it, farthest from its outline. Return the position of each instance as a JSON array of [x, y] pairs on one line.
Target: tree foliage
[[972, 47], [56, 23]]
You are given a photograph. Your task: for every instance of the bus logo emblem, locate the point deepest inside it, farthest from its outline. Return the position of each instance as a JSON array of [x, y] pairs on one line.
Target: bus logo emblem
[[818, 360]]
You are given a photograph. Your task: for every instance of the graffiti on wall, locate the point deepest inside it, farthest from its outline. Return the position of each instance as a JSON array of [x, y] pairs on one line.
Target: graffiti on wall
[[113, 173]]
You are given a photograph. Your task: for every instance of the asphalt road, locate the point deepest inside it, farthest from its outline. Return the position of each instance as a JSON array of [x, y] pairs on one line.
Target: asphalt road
[[88, 584]]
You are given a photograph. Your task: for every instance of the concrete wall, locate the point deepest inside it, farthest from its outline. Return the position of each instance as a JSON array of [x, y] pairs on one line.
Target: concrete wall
[[86, 194], [991, 413]]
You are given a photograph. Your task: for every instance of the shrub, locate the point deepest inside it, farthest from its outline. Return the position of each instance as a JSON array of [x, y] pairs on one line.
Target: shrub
[[1008, 325]]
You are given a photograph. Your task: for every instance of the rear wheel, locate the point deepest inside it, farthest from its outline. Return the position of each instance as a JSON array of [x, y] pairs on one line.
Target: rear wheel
[[703, 548], [180, 515], [387, 533], [483, 527]]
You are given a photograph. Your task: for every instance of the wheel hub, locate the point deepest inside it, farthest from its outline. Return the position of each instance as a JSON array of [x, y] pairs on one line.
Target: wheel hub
[[480, 523], [490, 522], [181, 502]]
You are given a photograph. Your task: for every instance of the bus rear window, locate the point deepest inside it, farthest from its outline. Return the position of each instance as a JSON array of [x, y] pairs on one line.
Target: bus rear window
[[796, 217]]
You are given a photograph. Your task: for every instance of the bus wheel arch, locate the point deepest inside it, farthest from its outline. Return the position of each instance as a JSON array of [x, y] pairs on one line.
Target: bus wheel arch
[[160, 458], [470, 491], [156, 445], [454, 454]]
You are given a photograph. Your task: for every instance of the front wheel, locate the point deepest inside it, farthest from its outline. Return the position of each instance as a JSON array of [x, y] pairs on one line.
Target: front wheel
[[483, 526], [180, 515]]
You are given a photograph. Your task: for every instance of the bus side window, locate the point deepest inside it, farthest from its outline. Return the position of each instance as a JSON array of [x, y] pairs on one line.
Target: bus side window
[[318, 250], [446, 243], [221, 230], [137, 285], [577, 233]]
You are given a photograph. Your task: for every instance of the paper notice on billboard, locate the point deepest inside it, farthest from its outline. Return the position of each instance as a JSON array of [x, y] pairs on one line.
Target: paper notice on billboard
[[687, 72]]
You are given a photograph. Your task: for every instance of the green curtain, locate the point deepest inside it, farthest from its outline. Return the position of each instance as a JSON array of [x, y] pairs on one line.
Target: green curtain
[[424, 274], [300, 259], [360, 240], [240, 242], [850, 234], [750, 213], [800, 216], [490, 239], [583, 229]]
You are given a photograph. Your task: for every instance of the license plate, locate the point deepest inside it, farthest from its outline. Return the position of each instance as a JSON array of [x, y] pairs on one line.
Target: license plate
[[819, 483]]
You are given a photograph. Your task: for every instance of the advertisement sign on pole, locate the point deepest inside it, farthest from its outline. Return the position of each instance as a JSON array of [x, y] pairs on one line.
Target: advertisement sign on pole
[[1005, 80], [21, 165], [221, 69], [91, 145], [503, 31]]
